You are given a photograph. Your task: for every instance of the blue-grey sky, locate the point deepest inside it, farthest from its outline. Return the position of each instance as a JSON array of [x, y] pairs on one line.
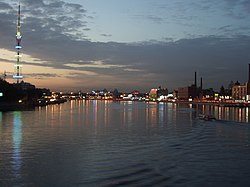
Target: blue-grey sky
[[139, 44], [143, 20]]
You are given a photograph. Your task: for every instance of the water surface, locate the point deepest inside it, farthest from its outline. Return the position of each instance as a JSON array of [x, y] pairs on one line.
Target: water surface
[[103, 143]]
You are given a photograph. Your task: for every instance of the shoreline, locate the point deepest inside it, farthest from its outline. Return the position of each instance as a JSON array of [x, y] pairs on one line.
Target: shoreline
[[217, 103], [22, 106], [199, 102]]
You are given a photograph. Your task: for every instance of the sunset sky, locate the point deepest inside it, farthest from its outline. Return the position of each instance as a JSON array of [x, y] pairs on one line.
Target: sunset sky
[[127, 44]]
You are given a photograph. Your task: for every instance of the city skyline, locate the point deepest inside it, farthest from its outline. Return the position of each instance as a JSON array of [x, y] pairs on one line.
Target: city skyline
[[84, 45]]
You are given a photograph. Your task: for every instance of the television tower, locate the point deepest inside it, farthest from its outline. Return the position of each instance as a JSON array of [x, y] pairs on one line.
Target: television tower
[[17, 74]]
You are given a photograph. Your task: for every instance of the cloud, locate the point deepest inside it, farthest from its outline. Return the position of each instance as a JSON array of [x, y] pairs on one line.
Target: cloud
[[54, 38], [93, 64], [106, 35], [4, 7], [153, 18], [145, 65], [132, 70], [55, 17], [230, 30], [237, 9], [246, 5], [41, 75]]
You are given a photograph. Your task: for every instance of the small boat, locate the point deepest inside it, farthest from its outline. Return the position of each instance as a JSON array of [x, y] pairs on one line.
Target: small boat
[[207, 117]]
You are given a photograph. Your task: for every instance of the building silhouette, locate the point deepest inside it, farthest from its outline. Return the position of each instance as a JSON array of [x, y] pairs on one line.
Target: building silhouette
[[241, 92], [189, 92]]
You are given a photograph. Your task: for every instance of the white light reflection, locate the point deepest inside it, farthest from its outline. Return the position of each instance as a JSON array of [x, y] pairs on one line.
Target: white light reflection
[[161, 113], [191, 113], [240, 115], [1, 118], [247, 117], [106, 113], [17, 139], [95, 114]]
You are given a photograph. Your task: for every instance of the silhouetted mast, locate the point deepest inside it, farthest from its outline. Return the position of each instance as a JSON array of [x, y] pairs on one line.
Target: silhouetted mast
[[4, 75], [17, 74]]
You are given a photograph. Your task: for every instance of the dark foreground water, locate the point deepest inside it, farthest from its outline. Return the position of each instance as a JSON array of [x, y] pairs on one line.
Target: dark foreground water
[[98, 143]]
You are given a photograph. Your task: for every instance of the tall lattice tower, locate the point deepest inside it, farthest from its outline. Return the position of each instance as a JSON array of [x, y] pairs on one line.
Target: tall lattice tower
[[18, 67]]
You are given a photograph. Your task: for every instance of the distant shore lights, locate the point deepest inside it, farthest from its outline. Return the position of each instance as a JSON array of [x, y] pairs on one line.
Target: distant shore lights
[[17, 74]]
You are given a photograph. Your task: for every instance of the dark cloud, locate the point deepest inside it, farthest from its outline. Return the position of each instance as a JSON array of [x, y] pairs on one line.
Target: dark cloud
[[5, 6], [217, 60], [106, 35], [246, 5], [41, 75], [175, 62], [237, 9], [56, 16], [228, 30]]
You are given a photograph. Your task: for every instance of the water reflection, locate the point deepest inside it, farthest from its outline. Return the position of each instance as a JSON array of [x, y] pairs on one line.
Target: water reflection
[[151, 114], [247, 116], [157, 113], [1, 117], [237, 114], [17, 140], [127, 113], [106, 113], [101, 143]]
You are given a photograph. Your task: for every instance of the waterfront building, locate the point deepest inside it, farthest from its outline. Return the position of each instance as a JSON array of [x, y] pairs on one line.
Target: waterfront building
[[248, 85], [208, 94], [189, 92], [158, 94], [153, 94], [241, 92], [225, 94], [175, 94], [162, 91]]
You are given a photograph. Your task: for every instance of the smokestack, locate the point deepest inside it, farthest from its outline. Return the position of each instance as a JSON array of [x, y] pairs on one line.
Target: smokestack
[[195, 79], [248, 73], [201, 83]]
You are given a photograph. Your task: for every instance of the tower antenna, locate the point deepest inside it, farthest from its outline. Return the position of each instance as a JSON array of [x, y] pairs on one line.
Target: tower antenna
[[17, 74], [4, 75]]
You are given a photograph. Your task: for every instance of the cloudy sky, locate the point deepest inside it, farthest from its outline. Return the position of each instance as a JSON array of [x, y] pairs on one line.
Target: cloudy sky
[[127, 44]]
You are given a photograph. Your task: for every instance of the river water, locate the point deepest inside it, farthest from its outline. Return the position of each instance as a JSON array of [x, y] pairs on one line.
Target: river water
[[105, 143]]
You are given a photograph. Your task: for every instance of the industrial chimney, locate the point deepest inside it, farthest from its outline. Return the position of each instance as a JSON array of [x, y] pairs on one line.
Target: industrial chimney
[[248, 73], [195, 80], [201, 83]]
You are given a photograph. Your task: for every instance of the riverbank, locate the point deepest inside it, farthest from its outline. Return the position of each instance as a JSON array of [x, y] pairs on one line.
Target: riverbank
[[45, 102], [199, 102], [12, 106], [218, 103]]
